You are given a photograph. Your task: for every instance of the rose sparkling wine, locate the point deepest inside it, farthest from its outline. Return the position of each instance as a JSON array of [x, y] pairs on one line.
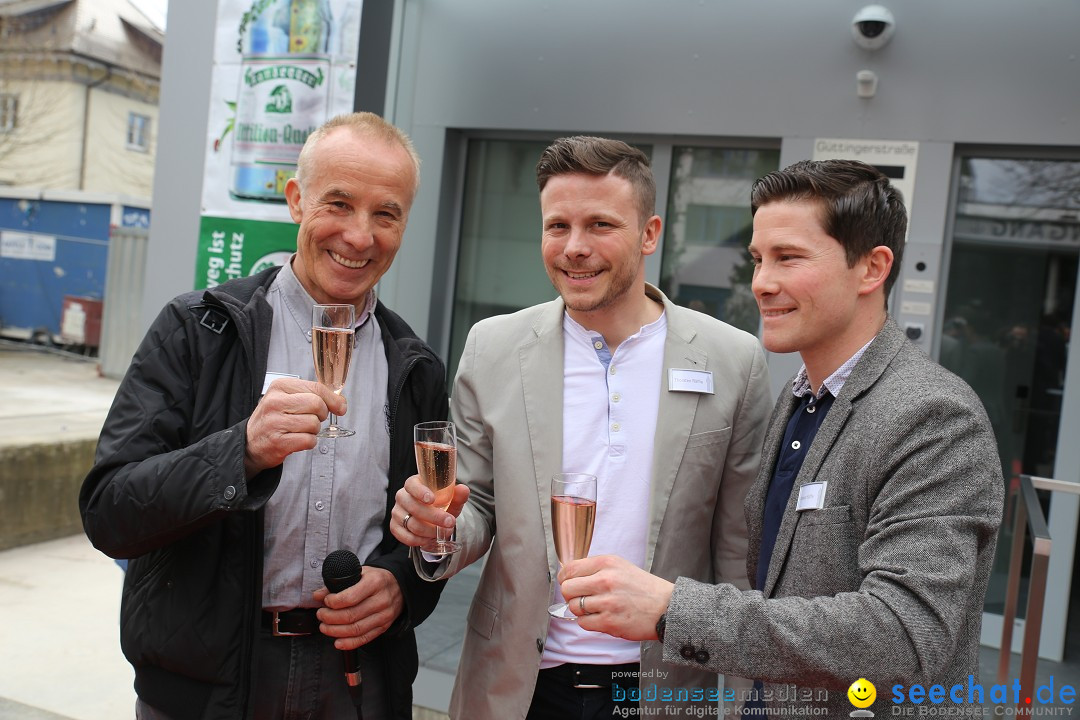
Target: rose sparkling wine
[[332, 348], [573, 514], [572, 521], [436, 464], [332, 333]]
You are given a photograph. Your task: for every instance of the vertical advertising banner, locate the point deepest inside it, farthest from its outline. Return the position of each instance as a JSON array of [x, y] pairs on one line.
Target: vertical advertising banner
[[281, 68]]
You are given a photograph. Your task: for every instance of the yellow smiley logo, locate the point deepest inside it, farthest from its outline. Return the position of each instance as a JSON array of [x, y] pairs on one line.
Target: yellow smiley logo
[[862, 693]]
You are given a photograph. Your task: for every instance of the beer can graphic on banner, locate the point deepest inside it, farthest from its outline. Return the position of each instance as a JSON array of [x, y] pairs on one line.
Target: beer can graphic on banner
[[284, 93]]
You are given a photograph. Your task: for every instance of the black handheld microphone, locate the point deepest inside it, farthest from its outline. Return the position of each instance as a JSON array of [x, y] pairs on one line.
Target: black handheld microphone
[[340, 571]]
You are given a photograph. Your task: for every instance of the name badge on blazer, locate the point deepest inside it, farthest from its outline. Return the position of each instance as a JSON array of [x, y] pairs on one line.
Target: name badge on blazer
[[272, 376], [812, 496], [699, 381]]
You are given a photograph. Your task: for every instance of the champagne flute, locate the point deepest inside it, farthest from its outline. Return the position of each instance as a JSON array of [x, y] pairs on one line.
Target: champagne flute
[[436, 463], [573, 513], [332, 331]]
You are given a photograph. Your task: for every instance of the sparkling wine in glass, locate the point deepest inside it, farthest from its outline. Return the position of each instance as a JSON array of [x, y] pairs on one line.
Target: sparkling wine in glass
[[573, 514], [332, 330], [436, 463]]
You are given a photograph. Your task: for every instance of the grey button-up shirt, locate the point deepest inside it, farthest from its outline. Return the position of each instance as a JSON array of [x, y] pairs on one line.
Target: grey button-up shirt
[[334, 496]]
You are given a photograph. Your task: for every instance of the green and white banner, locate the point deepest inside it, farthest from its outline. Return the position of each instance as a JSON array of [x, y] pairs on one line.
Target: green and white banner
[[281, 68]]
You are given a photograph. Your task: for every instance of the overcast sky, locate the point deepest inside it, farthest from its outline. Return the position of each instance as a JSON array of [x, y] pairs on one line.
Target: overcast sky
[[153, 9]]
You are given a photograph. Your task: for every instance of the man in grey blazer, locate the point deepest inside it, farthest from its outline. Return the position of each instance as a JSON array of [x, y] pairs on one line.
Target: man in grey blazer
[[875, 513], [666, 406]]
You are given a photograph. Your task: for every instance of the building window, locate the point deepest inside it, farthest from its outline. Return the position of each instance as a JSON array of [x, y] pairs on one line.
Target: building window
[[705, 264], [138, 132], [499, 269], [9, 107]]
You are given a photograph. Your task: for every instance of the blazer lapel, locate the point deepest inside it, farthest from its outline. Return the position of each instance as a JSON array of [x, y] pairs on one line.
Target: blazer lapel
[[541, 362], [866, 372], [675, 419]]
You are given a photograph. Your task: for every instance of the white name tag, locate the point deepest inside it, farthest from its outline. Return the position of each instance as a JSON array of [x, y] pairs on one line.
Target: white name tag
[[272, 376], [699, 381], [812, 496]]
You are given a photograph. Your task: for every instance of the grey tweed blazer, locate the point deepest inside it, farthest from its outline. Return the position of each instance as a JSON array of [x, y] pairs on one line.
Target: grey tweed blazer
[[886, 581]]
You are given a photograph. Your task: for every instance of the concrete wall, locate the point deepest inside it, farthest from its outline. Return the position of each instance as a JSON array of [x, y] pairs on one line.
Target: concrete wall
[[39, 490]]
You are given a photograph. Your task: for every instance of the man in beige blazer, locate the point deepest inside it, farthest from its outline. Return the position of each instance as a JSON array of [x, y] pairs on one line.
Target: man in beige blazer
[[546, 390]]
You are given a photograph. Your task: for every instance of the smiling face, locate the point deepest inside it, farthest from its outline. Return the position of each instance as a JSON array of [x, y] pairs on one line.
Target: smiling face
[[811, 301], [352, 207], [594, 243], [862, 693]]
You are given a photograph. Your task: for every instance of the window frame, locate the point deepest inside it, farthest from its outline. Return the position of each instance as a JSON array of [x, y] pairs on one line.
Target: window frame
[[9, 112], [137, 137]]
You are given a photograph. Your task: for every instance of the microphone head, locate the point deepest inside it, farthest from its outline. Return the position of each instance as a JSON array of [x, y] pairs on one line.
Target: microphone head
[[341, 570]]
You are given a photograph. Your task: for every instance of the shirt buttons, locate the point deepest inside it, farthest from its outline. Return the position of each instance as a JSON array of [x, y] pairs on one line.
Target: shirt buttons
[[811, 409], [611, 370], [324, 449], [314, 563], [598, 345], [615, 427], [795, 445], [319, 505], [616, 397]]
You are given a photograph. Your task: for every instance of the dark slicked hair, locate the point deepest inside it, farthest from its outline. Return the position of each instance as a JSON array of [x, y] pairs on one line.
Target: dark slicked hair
[[859, 206], [600, 156]]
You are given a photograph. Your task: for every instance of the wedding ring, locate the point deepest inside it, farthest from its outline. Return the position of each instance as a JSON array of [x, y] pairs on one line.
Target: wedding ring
[[581, 604], [405, 521]]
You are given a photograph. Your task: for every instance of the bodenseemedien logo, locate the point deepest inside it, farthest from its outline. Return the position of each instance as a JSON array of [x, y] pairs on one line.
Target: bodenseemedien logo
[[862, 694]]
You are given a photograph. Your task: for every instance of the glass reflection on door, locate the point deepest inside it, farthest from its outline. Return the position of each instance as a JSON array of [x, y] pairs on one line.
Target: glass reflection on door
[[1009, 309], [705, 264]]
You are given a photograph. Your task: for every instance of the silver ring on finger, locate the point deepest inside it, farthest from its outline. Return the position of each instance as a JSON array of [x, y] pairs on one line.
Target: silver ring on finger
[[581, 604], [405, 521]]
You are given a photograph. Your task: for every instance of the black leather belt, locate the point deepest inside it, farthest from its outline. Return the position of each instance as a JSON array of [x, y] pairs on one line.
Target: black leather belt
[[594, 677], [286, 623]]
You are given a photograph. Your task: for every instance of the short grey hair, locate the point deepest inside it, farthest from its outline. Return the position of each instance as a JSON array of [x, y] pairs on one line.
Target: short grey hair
[[363, 123]]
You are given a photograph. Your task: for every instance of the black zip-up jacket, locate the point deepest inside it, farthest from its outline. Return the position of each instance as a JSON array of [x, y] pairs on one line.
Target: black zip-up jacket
[[168, 491]]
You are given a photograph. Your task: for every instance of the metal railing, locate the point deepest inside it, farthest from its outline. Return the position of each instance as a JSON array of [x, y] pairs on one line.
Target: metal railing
[[1030, 522]]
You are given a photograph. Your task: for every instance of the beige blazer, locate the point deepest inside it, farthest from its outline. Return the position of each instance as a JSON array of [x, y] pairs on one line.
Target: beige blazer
[[507, 403]]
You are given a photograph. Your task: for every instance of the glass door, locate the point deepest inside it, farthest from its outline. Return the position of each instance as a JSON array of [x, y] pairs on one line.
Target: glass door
[[1008, 316]]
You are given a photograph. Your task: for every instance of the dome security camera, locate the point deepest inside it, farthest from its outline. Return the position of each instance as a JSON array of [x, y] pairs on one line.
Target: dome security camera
[[873, 27]]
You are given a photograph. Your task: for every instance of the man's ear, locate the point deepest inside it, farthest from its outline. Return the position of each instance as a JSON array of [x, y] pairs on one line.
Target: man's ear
[[877, 264], [292, 196], [651, 235]]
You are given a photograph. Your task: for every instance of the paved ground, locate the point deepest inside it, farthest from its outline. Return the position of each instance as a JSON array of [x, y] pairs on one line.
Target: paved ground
[[60, 600]]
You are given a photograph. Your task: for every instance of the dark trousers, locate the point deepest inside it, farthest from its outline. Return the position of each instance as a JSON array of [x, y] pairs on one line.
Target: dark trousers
[[557, 698], [303, 678]]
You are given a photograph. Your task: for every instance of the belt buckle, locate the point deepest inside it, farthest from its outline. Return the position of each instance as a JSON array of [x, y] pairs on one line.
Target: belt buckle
[[282, 633], [584, 686]]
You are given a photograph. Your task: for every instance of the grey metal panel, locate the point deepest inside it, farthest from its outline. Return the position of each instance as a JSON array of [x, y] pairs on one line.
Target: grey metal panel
[[923, 260], [182, 133], [121, 322], [739, 68]]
